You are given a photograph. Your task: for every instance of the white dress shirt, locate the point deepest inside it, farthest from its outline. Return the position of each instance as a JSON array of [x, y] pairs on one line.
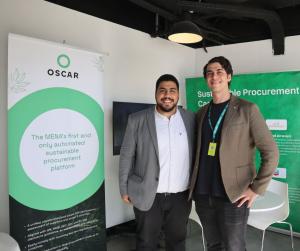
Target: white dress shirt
[[173, 153]]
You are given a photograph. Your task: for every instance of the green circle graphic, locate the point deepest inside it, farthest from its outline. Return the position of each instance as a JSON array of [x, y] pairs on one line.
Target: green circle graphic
[[21, 187], [63, 56]]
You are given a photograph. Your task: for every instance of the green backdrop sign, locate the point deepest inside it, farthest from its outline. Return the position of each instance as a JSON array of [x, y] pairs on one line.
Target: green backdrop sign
[[278, 97]]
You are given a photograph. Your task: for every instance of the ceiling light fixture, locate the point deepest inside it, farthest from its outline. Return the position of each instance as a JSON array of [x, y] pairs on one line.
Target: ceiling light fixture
[[185, 32]]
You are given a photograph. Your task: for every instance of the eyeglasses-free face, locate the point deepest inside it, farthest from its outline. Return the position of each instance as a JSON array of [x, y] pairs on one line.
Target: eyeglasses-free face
[[217, 78], [167, 96]]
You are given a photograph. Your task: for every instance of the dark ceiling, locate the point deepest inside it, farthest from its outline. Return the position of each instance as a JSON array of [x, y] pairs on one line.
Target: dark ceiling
[[221, 21]]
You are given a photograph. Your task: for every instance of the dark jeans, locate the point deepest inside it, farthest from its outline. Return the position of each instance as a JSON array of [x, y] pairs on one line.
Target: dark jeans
[[223, 222], [168, 213]]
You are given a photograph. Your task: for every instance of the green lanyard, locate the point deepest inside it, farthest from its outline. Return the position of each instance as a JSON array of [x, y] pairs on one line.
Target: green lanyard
[[214, 130]]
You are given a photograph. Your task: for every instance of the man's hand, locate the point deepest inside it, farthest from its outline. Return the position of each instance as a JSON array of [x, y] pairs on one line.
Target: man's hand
[[249, 196], [126, 199]]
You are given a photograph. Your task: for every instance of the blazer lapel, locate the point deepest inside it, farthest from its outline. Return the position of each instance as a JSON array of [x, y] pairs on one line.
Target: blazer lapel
[[152, 129], [199, 133], [188, 129], [231, 112], [200, 122]]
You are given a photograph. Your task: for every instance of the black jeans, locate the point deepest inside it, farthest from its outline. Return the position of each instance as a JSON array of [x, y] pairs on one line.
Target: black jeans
[[223, 222], [169, 213]]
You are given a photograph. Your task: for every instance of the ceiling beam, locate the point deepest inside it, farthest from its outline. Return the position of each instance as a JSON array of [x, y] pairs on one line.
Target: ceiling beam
[[148, 6], [270, 17]]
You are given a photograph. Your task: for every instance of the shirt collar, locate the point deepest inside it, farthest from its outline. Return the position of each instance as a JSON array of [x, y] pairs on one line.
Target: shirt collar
[[159, 115]]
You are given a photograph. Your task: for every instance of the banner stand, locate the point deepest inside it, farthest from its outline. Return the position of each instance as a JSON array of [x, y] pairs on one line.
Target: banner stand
[[55, 146]]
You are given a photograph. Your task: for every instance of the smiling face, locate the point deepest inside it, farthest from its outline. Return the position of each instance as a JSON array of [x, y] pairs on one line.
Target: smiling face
[[167, 95], [217, 79]]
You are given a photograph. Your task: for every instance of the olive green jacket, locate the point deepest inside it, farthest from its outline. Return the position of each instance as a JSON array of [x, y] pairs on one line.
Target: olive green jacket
[[244, 129]]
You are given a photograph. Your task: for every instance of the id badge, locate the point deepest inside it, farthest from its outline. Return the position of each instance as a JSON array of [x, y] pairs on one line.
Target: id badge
[[212, 149]]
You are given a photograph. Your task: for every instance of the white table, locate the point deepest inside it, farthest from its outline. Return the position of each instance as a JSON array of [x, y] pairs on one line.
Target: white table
[[267, 202]]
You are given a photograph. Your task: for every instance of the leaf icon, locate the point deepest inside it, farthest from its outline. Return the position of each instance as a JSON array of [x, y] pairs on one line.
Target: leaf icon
[[18, 82]]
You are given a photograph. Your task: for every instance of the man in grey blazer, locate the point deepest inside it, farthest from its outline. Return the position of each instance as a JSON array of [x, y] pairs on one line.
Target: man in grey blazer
[[155, 165], [224, 182]]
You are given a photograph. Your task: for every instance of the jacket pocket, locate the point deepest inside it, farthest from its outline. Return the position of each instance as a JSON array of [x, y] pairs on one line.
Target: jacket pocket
[[238, 123], [135, 178]]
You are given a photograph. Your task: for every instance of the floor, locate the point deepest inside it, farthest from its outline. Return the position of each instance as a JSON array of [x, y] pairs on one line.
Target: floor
[[124, 240]]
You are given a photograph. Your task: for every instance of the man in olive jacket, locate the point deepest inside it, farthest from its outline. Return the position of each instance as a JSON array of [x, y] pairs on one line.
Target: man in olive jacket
[[224, 182]]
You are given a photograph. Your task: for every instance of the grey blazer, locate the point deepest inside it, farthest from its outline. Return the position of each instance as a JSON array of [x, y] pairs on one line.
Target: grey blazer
[[244, 129], [139, 157]]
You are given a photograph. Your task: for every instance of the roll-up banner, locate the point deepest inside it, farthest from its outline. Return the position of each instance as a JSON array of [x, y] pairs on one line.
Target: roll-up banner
[[278, 98], [55, 146]]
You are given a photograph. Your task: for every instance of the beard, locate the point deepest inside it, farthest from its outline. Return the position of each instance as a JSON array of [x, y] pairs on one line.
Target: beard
[[165, 108]]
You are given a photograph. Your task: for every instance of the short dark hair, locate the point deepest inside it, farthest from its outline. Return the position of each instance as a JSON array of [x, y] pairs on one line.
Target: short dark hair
[[224, 62], [166, 77]]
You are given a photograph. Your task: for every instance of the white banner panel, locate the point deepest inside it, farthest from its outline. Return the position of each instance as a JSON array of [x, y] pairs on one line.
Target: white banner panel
[[55, 146]]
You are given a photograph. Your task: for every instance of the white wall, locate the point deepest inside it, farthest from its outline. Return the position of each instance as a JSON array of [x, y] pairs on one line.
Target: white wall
[[134, 63], [254, 57]]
